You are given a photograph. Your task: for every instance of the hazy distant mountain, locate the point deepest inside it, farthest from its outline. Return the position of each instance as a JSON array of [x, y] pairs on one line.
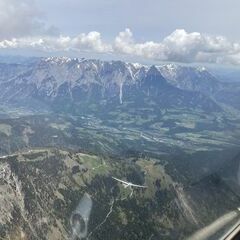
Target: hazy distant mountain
[[190, 78], [200, 79]]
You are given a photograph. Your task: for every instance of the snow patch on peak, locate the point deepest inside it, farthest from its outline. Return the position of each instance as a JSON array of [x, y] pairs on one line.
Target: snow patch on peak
[[171, 66], [137, 65], [202, 69], [59, 60], [169, 71]]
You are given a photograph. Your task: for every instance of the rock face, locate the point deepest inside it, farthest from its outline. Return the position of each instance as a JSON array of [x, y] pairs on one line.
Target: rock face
[[66, 81]]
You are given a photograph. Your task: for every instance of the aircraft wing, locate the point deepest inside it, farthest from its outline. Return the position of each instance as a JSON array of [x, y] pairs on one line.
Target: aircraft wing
[[128, 183], [119, 180], [139, 186]]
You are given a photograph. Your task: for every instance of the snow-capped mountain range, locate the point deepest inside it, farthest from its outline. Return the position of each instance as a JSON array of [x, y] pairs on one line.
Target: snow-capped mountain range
[[76, 80]]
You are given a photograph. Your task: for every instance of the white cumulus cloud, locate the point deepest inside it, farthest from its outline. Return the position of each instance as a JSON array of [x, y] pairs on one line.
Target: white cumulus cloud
[[90, 42], [20, 18], [124, 43], [181, 46]]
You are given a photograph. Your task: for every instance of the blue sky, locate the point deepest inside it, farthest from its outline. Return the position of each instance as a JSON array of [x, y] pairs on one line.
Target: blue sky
[[151, 19], [186, 31]]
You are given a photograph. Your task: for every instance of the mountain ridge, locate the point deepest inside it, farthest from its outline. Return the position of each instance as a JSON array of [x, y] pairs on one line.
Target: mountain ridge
[[85, 80]]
